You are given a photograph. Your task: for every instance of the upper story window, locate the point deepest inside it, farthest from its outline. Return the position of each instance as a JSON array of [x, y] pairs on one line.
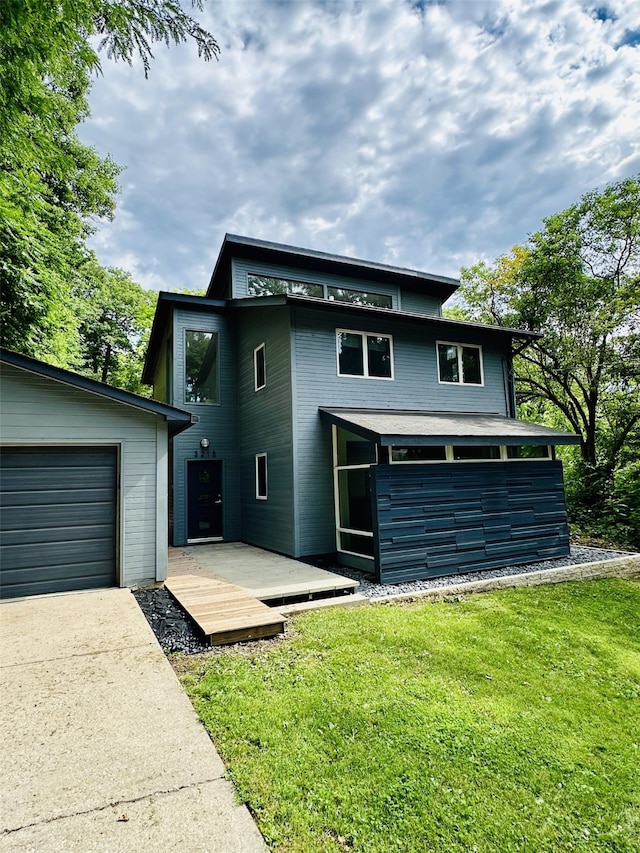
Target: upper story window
[[358, 297], [262, 285], [200, 367], [460, 363], [260, 367], [364, 354]]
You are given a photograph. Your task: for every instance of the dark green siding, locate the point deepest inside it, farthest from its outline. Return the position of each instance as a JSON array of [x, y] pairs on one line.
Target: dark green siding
[[58, 507], [217, 422], [449, 518], [266, 427], [415, 386]]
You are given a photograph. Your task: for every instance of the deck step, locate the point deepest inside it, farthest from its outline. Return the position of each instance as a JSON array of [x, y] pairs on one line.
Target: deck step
[[353, 600], [224, 613]]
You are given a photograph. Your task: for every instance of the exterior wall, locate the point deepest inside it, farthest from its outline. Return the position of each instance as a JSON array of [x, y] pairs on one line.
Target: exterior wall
[[40, 411], [242, 268], [446, 519], [162, 380], [420, 303], [218, 422], [266, 427], [415, 386]]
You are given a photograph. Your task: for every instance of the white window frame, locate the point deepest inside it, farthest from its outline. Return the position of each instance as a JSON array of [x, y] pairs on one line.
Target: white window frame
[[265, 496], [336, 499], [450, 457], [365, 354], [257, 349], [459, 347]]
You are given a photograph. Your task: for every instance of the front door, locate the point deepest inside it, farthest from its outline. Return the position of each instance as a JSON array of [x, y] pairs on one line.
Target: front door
[[204, 500]]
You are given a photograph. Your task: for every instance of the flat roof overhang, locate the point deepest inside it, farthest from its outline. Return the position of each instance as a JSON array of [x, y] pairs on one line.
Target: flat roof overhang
[[395, 427], [445, 324]]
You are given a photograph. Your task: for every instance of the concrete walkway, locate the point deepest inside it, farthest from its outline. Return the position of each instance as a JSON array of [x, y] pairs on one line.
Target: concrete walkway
[[100, 749]]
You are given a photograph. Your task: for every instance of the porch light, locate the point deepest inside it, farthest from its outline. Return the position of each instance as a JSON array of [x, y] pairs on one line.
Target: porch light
[[204, 443]]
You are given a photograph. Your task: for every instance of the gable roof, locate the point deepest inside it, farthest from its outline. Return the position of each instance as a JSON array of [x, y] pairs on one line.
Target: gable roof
[[177, 419], [313, 261]]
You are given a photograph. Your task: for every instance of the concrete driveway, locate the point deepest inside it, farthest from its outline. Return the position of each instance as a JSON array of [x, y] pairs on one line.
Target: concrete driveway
[[100, 749]]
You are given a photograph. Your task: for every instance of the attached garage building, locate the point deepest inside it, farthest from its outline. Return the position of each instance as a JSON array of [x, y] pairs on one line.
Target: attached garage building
[[83, 481]]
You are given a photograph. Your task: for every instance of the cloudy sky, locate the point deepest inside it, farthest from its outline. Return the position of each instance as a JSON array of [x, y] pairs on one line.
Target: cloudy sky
[[422, 134]]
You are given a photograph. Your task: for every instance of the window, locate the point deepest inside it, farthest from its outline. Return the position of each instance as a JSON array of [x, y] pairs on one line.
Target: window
[[364, 354], [259, 367], [358, 297], [421, 453], [353, 457], [261, 476], [460, 363], [262, 285], [469, 452], [201, 367], [529, 451]]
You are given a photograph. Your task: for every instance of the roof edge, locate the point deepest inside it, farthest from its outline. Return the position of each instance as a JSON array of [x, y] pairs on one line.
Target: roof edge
[[177, 419]]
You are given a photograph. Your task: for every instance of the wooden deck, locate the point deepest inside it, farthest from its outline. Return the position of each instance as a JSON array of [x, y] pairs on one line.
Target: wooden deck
[[224, 612], [267, 576]]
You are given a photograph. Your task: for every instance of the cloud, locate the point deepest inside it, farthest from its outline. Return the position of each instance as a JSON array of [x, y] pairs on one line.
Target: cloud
[[427, 135]]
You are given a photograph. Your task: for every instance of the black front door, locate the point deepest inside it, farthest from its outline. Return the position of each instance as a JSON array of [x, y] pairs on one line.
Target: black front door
[[204, 499]]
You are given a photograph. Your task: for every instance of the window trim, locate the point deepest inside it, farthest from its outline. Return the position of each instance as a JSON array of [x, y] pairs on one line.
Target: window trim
[[256, 350], [261, 497], [458, 345], [504, 457], [365, 351]]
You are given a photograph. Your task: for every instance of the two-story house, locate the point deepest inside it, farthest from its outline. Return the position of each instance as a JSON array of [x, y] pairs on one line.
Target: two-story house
[[340, 414]]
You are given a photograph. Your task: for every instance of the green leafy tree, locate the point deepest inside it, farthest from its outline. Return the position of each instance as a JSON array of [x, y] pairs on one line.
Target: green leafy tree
[[578, 282], [52, 187], [116, 317]]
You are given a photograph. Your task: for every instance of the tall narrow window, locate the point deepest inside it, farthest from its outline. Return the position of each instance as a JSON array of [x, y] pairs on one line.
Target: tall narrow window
[[261, 476], [364, 354], [460, 363], [201, 367], [260, 367]]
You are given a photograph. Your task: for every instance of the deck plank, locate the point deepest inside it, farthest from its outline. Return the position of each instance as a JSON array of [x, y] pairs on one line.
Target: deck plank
[[223, 612]]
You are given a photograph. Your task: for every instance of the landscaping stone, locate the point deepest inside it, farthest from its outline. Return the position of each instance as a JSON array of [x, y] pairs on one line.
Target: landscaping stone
[[176, 632]]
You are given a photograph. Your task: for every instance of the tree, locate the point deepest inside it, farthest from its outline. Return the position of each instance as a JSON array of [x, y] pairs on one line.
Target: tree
[[116, 317], [53, 188], [578, 282]]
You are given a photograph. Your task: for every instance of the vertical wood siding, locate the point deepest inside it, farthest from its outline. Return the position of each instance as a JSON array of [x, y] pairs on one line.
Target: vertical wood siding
[[436, 520], [36, 410], [266, 427], [218, 423]]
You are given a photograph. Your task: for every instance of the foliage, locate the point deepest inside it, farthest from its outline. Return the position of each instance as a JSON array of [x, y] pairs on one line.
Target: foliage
[[52, 187], [578, 282], [505, 722], [115, 321]]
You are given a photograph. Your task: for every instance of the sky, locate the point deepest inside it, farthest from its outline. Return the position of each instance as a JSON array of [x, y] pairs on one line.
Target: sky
[[425, 135]]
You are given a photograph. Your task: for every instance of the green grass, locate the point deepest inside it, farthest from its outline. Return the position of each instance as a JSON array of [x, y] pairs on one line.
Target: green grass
[[503, 722]]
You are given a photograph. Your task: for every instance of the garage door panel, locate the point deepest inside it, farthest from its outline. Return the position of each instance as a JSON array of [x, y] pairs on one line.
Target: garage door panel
[[45, 536], [58, 519], [82, 576]]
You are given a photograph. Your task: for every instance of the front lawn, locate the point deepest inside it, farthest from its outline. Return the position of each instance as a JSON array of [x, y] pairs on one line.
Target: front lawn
[[508, 721]]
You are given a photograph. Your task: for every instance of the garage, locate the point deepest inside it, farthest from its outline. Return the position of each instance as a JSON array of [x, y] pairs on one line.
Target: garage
[[83, 481], [58, 510]]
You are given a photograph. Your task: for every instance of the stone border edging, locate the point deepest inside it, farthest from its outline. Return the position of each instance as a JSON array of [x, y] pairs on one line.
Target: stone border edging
[[620, 567]]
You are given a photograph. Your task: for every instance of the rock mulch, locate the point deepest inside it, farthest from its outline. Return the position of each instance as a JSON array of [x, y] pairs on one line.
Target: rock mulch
[[176, 632]]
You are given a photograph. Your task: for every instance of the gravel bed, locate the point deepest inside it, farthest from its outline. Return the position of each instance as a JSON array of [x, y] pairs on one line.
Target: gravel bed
[[176, 632], [579, 554]]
